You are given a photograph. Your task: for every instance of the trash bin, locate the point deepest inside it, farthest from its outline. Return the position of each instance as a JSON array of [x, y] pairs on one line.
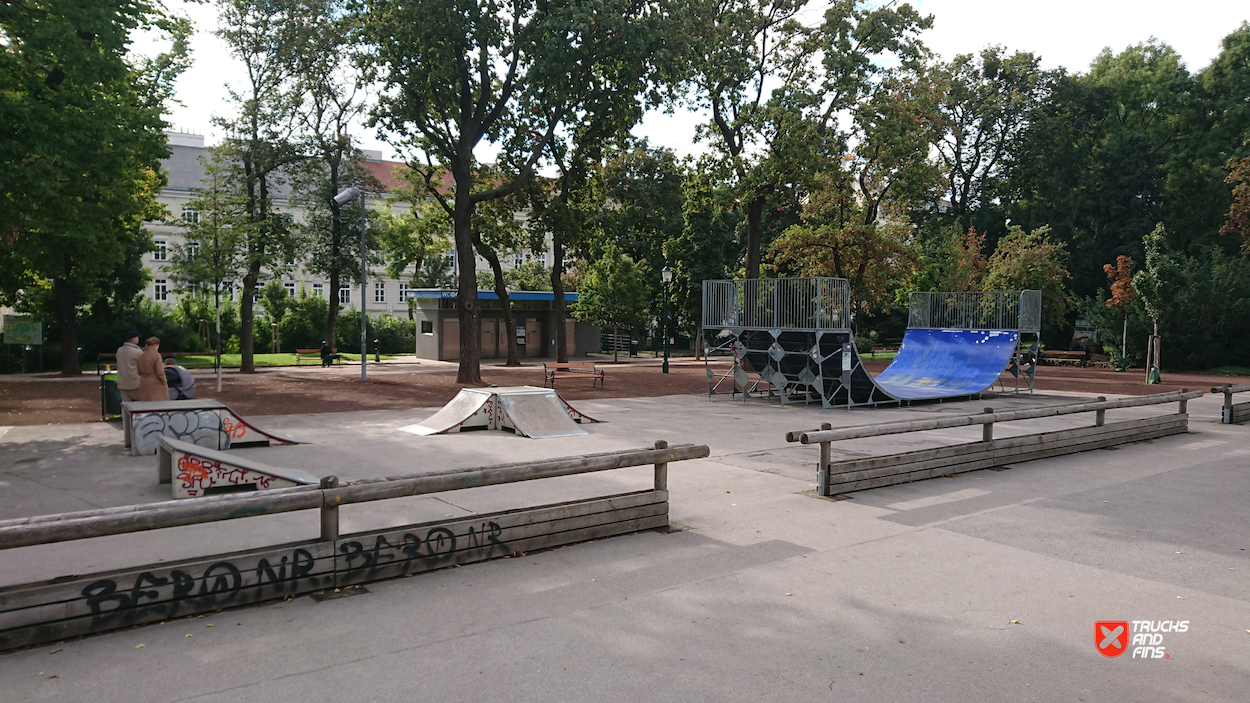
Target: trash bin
[[633, 347], [110, 397]]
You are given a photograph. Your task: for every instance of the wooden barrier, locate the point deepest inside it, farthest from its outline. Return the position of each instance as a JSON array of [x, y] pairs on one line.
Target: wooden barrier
[[845, 477], [1233, 414], [78, 605]]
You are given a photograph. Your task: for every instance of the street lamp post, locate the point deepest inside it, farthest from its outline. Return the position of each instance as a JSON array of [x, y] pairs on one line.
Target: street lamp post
[[344, 198], [667, 276]]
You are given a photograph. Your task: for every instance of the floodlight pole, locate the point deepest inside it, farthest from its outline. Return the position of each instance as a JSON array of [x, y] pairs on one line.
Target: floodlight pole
[[363, 273], [667, 276]]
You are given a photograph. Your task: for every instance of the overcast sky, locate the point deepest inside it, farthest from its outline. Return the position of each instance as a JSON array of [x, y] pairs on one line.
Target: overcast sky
[[1067, 33]]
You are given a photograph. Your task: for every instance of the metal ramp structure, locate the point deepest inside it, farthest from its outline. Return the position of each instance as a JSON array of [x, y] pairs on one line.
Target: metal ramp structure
[[195, 471], [790, 338], [528, 411]]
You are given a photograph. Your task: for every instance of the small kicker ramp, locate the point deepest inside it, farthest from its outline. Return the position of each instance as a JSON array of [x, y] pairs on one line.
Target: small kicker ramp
[[196, 471], [533, 412], [205, 422]]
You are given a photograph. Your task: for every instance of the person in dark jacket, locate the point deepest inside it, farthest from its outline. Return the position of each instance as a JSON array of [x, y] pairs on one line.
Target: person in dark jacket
[[328, 355]]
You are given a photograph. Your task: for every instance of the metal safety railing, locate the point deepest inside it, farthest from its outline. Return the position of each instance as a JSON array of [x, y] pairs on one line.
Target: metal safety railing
[[1016, 310], [817, 303]]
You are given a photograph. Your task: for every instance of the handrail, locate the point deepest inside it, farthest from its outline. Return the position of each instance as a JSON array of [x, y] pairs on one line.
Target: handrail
[[44, 529], [860, 431]]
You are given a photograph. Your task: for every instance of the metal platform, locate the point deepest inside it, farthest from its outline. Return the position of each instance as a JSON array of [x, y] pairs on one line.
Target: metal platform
[[790, 339], [528, 411]]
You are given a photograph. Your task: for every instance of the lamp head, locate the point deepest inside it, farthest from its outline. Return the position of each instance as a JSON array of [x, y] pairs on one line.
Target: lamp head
[[667, 275], [347, 196]]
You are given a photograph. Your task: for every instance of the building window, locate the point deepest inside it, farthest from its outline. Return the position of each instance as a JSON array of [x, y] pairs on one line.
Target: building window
[[190, 216], [193, 250], [403, 292], [160, 289], [290, 289], [345, 294], [427, 327], [318, 290], [162, 250], [227, 289], [518, 260], [379, 292]]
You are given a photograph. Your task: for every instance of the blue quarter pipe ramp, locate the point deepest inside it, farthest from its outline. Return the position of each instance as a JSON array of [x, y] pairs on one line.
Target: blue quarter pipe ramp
[[944, 363]]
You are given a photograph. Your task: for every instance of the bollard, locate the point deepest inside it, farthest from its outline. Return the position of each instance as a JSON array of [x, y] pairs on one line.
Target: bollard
[[987, 430], [329, 511], [1184, 405], [661, 469], [822, 468], [1100, 416]]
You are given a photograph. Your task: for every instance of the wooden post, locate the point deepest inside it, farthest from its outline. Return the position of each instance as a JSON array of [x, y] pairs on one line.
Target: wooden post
[[1228, 398], [329, 511], [1100, 416], [822, 469], [987, 429], [661, 468], [1184, 403]]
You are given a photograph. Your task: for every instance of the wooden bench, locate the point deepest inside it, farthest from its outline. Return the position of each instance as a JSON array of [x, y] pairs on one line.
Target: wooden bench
[[301, 354], [164, 355], [572, 370], [1063, 357]]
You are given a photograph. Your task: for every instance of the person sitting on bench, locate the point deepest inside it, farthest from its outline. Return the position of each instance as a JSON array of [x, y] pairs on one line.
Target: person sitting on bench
[[180, 381], [328, 355]]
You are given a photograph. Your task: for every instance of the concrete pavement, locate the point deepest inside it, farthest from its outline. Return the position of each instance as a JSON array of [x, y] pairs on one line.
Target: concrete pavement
[[763, 592]]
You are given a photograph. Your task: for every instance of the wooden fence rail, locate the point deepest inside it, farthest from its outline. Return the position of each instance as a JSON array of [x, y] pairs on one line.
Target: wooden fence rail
[[844, 477], [76, 605], [44, 529], [1233, 414]]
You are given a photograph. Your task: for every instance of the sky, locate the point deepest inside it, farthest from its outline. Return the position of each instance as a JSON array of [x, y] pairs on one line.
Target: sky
[[1064, 33]]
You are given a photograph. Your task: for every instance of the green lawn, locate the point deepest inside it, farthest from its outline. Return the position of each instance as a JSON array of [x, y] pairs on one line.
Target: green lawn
[[234, 360], [1232, 370]]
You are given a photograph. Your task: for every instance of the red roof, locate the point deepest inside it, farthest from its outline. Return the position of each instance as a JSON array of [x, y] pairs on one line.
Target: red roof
[[388, 174]]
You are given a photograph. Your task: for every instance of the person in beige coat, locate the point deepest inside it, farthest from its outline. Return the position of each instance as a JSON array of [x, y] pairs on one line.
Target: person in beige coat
[[128, 367], [152, 373]]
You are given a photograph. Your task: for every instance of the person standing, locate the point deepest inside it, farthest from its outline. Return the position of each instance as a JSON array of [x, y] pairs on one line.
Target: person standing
[[152, 373], [128, 367]]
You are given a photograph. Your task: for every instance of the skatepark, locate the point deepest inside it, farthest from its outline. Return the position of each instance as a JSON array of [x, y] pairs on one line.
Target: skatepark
[[978, 584]]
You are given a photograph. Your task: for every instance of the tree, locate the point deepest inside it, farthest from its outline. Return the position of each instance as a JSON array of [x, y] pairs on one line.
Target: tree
[[80, 166], [612, 292], [510, 73], [332, 98], [1158, 284], [496, 228], [267, 37], [212, 251], [705, 249], [1237, 219], [1032, 261], [776, 89], [1122, 293], [962, 262], [985, 107]]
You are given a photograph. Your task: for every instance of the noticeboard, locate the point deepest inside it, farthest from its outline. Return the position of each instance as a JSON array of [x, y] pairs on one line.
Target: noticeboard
[[20, 330]]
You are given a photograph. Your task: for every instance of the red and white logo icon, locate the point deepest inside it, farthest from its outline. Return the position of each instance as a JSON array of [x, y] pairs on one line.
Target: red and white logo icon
[[1111, 637]]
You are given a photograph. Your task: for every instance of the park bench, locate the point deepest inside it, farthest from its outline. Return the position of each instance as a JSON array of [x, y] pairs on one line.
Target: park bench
[[301, 354], [1060, 358], [164, 355], [583, 369]]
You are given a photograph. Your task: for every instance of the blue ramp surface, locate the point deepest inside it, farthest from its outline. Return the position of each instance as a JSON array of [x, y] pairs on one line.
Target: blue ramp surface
[[941, 363]]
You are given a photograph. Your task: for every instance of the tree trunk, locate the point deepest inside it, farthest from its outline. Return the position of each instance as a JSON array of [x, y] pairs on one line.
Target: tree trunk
[[67, 318], [755, 216], [470, 370], [1124, 341], [217, 318], [332, 317], [698, 342], [557, 287], [247, 317], [501, 290]]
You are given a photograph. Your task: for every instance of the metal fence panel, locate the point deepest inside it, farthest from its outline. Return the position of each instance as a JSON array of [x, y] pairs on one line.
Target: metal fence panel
[[976, 310], [778, 303]]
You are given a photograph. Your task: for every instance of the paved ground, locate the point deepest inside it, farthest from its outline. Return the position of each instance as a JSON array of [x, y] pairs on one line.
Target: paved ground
[[981, 587]]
